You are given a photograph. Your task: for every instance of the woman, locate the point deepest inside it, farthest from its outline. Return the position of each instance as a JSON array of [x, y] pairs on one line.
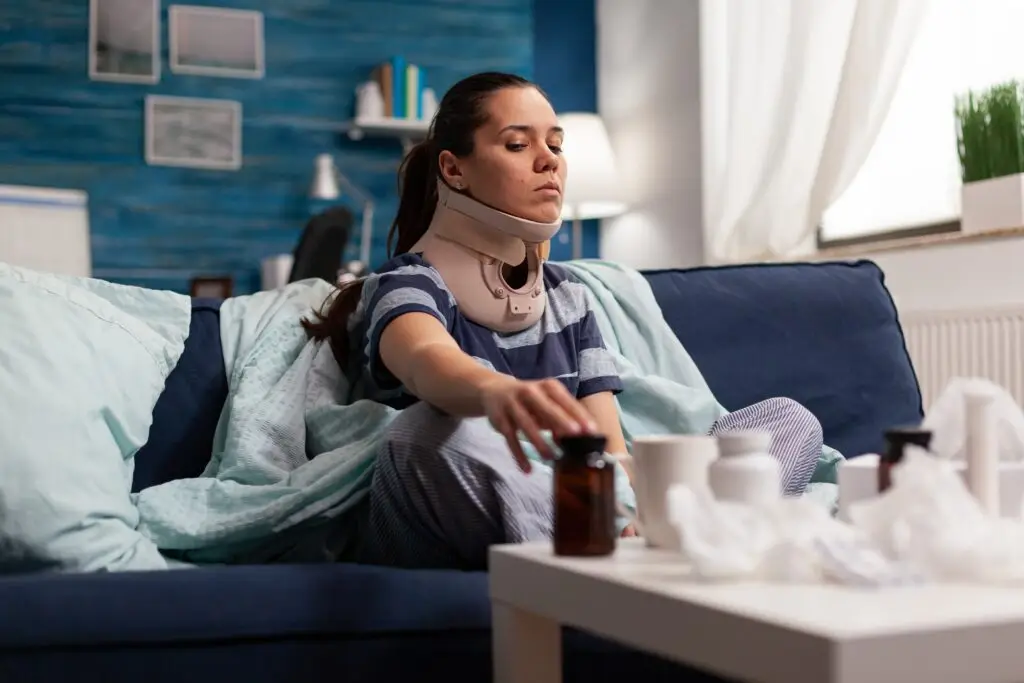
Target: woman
[[429, 333]]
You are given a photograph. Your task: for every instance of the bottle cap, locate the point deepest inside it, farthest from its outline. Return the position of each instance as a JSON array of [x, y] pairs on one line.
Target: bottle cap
[[582, 444], [898, 438], [743, 442]]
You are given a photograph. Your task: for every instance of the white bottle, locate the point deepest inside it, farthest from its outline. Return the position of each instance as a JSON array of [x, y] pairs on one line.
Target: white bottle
[[369, 101], [429, 104], [745, 472]]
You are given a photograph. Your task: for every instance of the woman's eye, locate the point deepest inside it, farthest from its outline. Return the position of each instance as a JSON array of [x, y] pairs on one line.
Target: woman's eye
[[557, 149], [515, 147]]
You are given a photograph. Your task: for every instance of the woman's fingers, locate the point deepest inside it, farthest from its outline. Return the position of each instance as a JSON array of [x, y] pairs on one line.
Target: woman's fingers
[[549, 412], [581, 420], [521, 416], [508, 429]]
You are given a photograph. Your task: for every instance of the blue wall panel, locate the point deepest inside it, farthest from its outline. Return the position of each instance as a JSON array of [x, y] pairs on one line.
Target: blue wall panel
[[161, 226], [565, 66]]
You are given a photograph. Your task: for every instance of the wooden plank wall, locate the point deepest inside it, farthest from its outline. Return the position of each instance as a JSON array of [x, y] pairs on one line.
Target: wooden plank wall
[[158, 226]]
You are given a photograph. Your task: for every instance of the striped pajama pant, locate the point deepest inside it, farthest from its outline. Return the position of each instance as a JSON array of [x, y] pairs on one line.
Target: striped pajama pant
[[445, 489]]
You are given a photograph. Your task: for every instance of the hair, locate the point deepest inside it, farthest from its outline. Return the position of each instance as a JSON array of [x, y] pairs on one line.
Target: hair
[[461, 112]]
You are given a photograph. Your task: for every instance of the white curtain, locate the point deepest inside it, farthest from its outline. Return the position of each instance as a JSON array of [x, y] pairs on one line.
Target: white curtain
[[793, 94]]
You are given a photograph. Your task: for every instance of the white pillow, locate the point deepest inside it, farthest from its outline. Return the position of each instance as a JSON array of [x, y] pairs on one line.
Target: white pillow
[[82, 363]]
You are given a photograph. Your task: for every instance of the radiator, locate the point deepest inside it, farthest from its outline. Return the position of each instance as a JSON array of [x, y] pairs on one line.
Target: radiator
[[985, 343]]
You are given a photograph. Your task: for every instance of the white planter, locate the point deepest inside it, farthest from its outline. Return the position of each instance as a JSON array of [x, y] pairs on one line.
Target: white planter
[[993, 204]]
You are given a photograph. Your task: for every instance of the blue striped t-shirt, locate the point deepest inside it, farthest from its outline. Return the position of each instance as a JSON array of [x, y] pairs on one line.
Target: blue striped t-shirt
[[564, 344]]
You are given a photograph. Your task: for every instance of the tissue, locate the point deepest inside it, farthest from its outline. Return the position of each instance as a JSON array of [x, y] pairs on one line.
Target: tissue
[[791, 540], [932, 524], [955, 430], [947, 420], [926, 527]]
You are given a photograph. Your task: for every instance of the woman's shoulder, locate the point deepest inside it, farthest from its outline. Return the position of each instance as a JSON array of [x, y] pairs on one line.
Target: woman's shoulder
[[566, 293], [408, 270], [555, 274]]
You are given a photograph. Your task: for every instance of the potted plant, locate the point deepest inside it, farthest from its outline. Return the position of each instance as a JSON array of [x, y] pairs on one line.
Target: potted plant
[[990, 141]]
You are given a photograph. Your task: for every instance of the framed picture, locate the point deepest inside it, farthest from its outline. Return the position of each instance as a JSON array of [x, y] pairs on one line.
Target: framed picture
[[124, 41], [211, 287], [214, 41], [193, 132]]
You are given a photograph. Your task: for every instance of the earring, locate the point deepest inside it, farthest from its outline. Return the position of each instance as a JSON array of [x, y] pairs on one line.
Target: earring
[[458, 186]]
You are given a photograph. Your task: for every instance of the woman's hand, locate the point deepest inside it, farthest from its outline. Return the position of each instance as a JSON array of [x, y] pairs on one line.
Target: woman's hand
[[532, 406]]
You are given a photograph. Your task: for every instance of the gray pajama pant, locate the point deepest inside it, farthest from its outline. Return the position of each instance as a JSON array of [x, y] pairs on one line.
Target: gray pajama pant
[[445, 489]]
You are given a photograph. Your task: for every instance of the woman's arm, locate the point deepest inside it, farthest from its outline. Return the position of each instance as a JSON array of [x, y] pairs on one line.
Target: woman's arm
[[417, 349], [606, 414], [419, 352], [602, 408]]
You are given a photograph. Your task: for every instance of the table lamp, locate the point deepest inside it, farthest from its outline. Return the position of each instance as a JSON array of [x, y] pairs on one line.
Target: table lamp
[[593, 188], [328, 183]]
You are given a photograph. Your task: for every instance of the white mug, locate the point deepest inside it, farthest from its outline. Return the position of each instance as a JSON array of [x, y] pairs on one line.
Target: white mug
[[658, 463]]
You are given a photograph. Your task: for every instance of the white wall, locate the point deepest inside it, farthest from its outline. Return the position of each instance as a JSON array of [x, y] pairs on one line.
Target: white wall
[[648, 63], [649, 95], [955, 276]]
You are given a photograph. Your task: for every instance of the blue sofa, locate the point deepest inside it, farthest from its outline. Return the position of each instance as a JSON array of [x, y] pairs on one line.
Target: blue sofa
[[826, 335]]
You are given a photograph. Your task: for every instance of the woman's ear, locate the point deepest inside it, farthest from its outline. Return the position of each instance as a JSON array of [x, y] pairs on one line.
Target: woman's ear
[[450, 170]]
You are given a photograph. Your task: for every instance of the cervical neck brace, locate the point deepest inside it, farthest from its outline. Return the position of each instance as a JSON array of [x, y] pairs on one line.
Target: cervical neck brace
[[471, 244]]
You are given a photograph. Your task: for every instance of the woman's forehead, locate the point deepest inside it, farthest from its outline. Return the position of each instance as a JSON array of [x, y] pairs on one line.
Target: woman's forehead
[[521, 108]]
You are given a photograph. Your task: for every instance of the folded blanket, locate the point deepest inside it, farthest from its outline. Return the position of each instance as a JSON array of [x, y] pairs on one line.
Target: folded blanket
[[289, 453]]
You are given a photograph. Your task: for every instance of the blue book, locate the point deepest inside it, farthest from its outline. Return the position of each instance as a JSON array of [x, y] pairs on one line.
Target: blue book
[[398, 86]]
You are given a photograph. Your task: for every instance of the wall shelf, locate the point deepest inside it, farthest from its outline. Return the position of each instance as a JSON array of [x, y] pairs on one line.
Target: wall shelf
[[409, 131]]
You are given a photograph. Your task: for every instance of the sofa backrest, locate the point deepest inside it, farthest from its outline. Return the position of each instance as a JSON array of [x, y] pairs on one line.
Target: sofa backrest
[[824, 334]]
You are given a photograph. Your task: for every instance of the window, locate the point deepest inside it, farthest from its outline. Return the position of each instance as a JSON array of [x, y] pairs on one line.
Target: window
[[911, 177]]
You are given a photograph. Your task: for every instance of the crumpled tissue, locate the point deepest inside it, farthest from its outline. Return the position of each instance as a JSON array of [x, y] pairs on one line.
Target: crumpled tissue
[[926, 527], [791, 540], [947, 419]]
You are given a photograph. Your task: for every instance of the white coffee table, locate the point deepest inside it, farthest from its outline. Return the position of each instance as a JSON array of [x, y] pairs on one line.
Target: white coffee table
[[763, 633]]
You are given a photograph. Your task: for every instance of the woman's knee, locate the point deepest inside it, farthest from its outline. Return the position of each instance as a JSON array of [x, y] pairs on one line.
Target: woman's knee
[[455, 482], [794, 417], [424, 439], [796, 436]]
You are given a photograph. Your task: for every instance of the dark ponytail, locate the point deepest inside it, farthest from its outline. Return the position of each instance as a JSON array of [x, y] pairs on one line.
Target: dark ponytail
[[461, 112]]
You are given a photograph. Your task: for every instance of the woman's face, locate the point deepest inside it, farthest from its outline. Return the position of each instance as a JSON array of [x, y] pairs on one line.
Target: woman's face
[[517, 164]]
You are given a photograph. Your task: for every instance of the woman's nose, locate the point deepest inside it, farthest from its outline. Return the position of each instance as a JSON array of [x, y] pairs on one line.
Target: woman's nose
[[547, 160]]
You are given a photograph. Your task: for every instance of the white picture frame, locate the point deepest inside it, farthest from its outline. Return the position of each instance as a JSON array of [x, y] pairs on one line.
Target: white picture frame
[[192, 132], [124, 41], [215, 41]]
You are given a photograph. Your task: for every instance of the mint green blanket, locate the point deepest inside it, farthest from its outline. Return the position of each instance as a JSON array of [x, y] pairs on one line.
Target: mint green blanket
[[286, 404]]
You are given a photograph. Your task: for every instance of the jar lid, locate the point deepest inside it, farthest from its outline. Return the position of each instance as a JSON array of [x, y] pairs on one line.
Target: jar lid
[[742, 442], [898, 438], [582, 444]]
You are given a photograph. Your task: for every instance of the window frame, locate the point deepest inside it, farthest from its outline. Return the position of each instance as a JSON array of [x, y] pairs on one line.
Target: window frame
[[882, 237]]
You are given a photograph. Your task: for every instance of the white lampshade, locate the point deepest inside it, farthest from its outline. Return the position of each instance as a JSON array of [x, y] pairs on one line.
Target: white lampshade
[[325, 180], [592, 188]]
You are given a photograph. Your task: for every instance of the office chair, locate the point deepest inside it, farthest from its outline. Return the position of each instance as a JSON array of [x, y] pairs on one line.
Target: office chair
[[321, 247]]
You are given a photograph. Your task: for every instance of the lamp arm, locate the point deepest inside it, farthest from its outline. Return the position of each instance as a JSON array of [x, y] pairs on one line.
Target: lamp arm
[[353, 189], [366, 231]]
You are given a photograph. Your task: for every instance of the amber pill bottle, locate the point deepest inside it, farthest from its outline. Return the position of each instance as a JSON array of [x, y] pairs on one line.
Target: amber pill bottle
[[896, 441], [584, 493]]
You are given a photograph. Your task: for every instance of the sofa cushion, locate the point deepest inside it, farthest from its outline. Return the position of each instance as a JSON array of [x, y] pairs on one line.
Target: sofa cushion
[[823, 334], [186, 415]]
